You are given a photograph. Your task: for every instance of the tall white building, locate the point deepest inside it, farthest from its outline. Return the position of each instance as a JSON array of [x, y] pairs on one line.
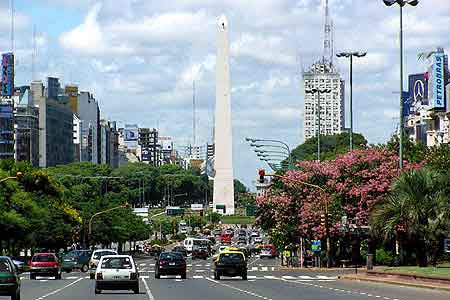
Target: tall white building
[[320, 76], [323, 75]]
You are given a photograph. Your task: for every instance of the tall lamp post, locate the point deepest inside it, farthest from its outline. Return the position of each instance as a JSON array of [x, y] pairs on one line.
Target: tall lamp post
[[318, 92], [401, 4], [271, 143], [351, 55]]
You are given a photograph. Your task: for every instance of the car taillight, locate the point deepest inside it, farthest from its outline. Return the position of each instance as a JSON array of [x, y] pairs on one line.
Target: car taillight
[[162, 262], [11, 279], [99, 276], [133, 275]]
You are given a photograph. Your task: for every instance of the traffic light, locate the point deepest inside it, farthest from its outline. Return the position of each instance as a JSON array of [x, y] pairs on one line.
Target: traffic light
[[322, 220], [261, 174]]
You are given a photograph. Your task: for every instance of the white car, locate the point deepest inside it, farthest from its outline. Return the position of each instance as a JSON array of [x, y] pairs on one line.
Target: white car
[[95, 258], [116, 272], [258, 239]]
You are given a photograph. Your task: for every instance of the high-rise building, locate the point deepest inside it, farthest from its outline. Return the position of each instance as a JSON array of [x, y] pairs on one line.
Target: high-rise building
[[148, 140], [53, 88], [27, 134], [77, 137], [89, 114], [71, 91], [6, 130], [329, 106]]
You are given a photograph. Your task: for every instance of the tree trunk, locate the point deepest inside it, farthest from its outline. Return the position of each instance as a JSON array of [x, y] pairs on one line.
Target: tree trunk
[[421, 253]]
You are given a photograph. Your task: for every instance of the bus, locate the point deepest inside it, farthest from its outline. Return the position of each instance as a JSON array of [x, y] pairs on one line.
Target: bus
[[189, 243]]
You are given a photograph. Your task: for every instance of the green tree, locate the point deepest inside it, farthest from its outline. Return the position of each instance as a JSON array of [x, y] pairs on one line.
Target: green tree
[[416, 213]]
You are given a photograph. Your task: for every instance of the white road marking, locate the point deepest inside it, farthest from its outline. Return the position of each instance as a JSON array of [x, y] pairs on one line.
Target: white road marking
[[199, 265], [264, 269], [72, 277], [305, 277], [190, 265], [253, 262], [254, 268], [60, 289], [199, 271], [325, 277], [147, 289], [144, 264], [179, 280], [251, 277], [145, 277], [240, 290], [270, 277], [288, 277], [197, 277]]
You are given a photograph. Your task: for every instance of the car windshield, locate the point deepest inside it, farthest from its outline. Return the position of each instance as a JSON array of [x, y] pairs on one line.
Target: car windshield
[[171, 256], [116, 263], [98, 255], [4, 266], [231, 258], [43, 258]]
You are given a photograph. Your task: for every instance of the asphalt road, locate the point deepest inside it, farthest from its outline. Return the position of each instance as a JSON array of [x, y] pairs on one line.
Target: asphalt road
[[265, 281]]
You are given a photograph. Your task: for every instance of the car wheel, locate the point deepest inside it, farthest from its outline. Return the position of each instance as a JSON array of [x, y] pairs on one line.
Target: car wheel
[[92, 276], [216, 276], [67, 270], [244, 276], [97, 291], [84, 268], [136, 289], [58, 276], [157, 276], [32, 276], [183, 276], [16, 295]]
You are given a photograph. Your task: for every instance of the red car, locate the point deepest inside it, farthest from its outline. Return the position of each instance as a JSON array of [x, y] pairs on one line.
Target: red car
[[45, 264], [225, 238], [269, 251]]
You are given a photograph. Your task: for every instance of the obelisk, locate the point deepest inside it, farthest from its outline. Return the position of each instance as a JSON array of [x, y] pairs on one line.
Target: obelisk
[[223, 200]]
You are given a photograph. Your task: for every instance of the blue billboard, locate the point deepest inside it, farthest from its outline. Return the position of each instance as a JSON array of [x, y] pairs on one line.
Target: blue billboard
[[7, 86], [438, 84], [418, 88]]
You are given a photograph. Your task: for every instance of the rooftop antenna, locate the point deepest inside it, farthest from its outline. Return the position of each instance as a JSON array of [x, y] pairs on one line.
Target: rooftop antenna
[[193, 114], [33, 55], [327, 53]]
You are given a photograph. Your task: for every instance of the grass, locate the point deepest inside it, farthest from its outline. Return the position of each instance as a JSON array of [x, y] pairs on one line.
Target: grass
[[427, 271]]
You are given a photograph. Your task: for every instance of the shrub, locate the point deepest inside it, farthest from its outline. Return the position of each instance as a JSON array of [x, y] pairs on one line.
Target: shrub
[[384, 257]]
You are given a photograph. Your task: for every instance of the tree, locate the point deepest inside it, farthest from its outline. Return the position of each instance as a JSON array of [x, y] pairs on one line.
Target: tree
[[417, 213], [331, 145]]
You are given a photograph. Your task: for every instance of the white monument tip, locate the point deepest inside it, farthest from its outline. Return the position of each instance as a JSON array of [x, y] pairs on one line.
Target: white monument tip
[[222, 22]]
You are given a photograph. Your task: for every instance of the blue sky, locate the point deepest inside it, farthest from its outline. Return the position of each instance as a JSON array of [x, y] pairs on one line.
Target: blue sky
[[139, 59]]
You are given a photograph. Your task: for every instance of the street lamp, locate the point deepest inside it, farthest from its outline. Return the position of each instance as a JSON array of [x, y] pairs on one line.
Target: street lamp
[[255, 142], [351, 55], [401, 4], [318, 92]]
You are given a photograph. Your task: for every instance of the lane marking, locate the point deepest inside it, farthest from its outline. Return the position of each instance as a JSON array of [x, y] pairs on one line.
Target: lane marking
[[305, 277], [254, 269], [147, 289], [145, 277], [144, 264], [197, 277], [288, 277], [60, 289], [199, 271], [239, 290], [264, 269], [270, 277], [253, 261]]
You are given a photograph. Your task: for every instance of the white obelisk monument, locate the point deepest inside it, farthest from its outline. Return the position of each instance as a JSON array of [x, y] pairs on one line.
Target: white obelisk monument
[[223, 161]]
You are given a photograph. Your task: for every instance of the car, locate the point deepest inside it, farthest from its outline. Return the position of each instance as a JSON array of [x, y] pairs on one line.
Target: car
[[229, 231], [45, 264], [258, 239], [200, 252], [217, 232], [230, 263], [269, 251], [76, 259], [116, 272], [242, 240], [225, 238], [181, 250], [255, 233], [9, 279], [22, 265], [170, 263], [95, 258], [242, 233]]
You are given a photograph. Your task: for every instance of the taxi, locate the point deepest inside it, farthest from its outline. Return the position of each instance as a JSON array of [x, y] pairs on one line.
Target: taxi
[[230, 263]]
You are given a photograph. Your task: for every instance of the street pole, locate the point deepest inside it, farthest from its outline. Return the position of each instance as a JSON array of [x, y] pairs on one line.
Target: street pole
[[401, 90], [318, 121], [351, 102], [126, 205]]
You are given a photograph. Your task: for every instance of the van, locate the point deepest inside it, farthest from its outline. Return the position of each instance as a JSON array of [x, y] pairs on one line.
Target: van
[[189, 243]]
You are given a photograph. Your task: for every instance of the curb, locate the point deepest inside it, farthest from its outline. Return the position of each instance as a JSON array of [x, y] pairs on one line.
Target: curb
[[394, 282], [317, 269]]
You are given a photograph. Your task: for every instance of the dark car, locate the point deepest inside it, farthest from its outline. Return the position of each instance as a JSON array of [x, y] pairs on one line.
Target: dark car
[[45, 264], [181, 250], [230, 263], [9, 279], [200, 252], [170, 263], [76, 259]]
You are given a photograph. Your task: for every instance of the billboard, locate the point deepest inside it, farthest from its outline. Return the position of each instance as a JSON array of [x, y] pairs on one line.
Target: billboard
[[131, 136], [166, 143], [146, 155], [418, 89], [7, 82], [437, 93]]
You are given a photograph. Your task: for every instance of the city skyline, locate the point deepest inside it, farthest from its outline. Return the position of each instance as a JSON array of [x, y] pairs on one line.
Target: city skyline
[[160, 60]]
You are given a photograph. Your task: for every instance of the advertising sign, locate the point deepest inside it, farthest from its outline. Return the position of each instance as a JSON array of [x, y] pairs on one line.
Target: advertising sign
[[131, 136], [418, 89], [7, 82], [166, 143], [438, 84], [447, 245], [146, 154], [197, 206], [316, 246]]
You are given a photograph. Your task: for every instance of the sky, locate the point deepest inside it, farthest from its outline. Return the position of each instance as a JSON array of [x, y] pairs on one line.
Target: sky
[[139, 58]]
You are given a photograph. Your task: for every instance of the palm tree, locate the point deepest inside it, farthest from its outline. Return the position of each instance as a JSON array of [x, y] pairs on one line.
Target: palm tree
[[417, 212]]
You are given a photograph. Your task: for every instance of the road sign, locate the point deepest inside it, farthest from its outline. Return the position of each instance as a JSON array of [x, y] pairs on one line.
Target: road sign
[[316, 246], [447, 245]]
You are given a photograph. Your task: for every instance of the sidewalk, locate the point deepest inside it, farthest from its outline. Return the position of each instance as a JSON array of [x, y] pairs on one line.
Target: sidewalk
[[429, 283]]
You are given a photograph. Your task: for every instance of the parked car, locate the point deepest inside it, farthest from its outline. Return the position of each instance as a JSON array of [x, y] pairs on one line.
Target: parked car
[[95, 258], [45, 264], [9, 279], [116, 272], [21, 264], [76, 259], [170, 263], [200, 252], [269, 251], [230, 263], [181, 250]]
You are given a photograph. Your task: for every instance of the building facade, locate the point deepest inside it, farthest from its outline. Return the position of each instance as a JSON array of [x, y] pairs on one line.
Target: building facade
[[150, 147], [89, 114], [27, 134], [6, 130], [330, 106]]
